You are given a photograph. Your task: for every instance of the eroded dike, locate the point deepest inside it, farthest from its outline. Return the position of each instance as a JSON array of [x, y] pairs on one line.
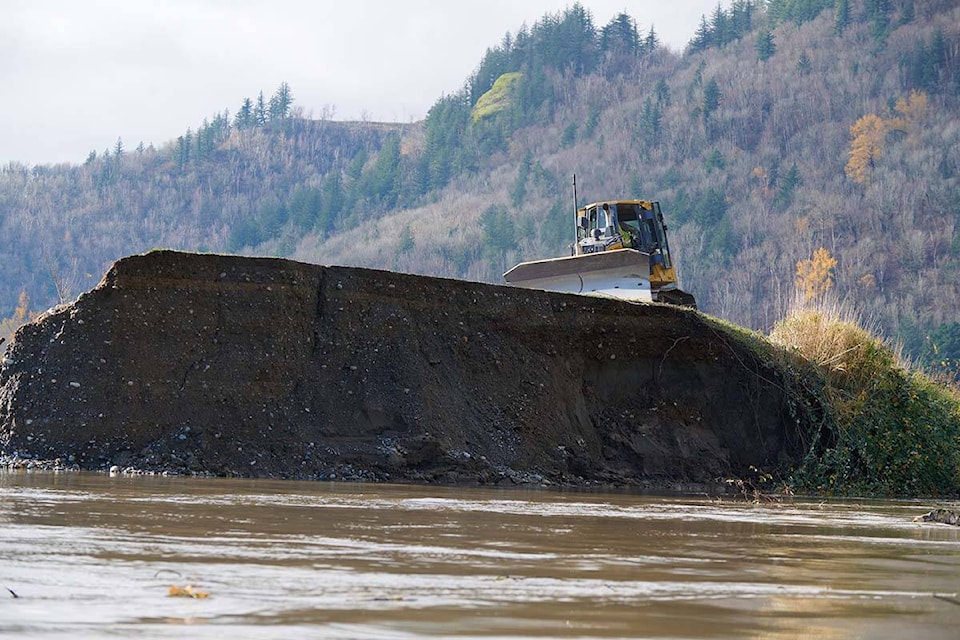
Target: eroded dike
[[273, 368]]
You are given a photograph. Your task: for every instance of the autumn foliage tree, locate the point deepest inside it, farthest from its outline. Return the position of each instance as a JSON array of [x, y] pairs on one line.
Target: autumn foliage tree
[[869, 134], [21, 315], [910, 111], [815, 276]]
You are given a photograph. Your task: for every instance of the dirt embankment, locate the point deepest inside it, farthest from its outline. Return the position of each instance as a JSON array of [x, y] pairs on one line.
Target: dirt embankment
[[267, 367]]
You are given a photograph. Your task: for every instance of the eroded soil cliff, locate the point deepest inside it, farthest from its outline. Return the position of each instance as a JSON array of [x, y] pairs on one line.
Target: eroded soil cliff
[[268, 367]]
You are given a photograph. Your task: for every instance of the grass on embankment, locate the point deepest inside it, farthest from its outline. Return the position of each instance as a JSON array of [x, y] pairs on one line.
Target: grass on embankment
[[891, 431], [870, 426]]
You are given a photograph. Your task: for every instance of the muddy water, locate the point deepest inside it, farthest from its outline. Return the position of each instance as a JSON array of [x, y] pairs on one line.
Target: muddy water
[[94, 556]]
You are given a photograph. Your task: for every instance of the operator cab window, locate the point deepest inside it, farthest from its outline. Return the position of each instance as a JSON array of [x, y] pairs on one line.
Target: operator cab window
[[601, 219], [627, 217], [590, 215]]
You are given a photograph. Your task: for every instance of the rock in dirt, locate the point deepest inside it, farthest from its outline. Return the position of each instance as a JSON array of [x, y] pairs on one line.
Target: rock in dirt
[[273, 368]]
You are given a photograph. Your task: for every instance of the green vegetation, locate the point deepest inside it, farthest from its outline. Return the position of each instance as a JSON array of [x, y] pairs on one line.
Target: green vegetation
[[724, 26], [765, 45], [890, 431], [497, 98], [797, 11], [869, 425], [940, 354]]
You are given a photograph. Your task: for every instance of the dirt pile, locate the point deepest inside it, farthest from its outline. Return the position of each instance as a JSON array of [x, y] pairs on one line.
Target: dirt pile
[[268, 367]]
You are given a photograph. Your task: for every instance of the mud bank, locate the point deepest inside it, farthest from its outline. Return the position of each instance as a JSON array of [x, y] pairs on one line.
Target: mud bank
[[272, 368]]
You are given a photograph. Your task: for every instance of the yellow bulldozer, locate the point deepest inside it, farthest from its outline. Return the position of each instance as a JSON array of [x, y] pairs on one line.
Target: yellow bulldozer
[[621, 251]]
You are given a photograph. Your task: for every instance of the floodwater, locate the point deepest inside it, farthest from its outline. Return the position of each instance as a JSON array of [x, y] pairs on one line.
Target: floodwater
[[88, 555]]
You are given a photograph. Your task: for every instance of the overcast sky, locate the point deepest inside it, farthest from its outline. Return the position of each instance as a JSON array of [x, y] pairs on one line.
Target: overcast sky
[[77, 74]]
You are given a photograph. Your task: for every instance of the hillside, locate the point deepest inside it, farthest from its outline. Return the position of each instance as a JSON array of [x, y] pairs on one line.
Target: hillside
[[786, 127]]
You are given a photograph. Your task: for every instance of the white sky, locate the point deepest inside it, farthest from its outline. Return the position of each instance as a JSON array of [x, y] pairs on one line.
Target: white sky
[[77, 74]]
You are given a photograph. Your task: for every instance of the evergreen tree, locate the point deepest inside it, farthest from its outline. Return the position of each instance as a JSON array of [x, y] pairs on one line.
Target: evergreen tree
[[936, 60], [183, 149], [907, 12], [332, 202], [620, 37], [651, 122], [383, 181], [245, 117], [724, 26], [521, 53], [519, 191], [260, 111], [710, 208], [719, 27], [499, 234], [280, 103], [765, 45], [593, 119], [662, 93], [220, 127], [205, 141], [877, 13], [788, 184], [407, 243], [652, 41], [711, 98], [715, 161], [556, 229], [741, 16], [568, 41], [698, 74], [535, 94], [271, 216], [495, 63], [702, 37], [842, 17], [445, 129], [796, 11], [304, 207]]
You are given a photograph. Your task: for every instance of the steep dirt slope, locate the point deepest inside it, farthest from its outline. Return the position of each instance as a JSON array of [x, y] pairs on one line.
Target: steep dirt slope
[[268, 367]]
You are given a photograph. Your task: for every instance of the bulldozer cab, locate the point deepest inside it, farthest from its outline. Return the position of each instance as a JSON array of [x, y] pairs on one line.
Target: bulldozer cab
[[624, 224]]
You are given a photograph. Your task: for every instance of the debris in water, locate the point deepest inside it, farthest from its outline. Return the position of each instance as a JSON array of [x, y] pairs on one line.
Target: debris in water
[[944, 516], [186, 592]]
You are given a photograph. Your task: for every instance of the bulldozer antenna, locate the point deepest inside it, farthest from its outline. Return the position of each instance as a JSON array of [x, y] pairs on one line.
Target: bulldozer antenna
[[576, 204]]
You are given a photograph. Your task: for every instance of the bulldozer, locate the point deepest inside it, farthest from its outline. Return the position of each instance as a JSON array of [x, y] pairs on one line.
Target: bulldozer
[[621, 251]]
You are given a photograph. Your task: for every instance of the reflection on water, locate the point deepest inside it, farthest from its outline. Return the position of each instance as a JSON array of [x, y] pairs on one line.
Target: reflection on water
[[93, 556]]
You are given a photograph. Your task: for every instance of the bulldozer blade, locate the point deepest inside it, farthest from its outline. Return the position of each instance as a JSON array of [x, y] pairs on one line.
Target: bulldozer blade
[[622, 274]]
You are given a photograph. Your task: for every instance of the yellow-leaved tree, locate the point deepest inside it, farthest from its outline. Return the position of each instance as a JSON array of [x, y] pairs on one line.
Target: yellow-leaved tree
[[21, 316], [912, 109], [815, 276], [869, 134]]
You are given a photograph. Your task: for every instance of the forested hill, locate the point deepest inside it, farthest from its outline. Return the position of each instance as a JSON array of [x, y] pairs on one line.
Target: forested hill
[[810, 140]]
